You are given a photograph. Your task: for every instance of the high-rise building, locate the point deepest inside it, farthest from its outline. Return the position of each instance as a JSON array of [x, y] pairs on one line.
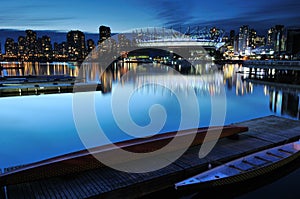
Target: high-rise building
[[31, 43], [243, 43], [90, 45], [231, 37], [236, 44], [60, 50], [76, 45], [21, 46], [10, 47], [104, 33], [276, 38], [293, 41], [252, 37], [44, 47]]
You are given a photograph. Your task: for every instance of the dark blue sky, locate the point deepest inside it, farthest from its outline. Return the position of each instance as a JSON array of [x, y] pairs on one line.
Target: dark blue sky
[[122, 15]]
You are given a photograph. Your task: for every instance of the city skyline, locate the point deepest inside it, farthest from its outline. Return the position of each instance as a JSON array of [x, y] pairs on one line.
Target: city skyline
[[77, 45], [122, 16]]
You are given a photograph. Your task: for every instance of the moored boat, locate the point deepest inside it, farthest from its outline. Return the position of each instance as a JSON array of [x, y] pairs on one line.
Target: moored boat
[[83, 160], [242, 169]]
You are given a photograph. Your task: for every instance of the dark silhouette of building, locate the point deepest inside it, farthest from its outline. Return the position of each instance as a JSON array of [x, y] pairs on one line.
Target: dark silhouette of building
[[21, 47], [231, 37], [10, 47], [104, 33], [60, 51], [293, 41], [276, 38], [90, 45], [44, 48], [76, 45], [31, 43]]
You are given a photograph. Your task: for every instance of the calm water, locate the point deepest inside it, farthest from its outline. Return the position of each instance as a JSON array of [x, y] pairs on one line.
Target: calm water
[[38, 127]]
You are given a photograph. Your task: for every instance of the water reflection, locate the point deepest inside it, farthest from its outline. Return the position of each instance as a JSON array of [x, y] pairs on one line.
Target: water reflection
[[199, 77], [38, 69], [205, 78], [284, 103], [283, 93], [245, 100]]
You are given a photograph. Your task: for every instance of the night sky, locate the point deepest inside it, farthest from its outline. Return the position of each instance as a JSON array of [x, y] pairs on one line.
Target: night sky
[[122, 15]]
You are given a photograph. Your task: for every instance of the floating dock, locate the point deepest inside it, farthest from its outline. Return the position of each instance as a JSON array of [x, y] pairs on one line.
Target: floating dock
[[36, 85], [274, 64], [105, 182]]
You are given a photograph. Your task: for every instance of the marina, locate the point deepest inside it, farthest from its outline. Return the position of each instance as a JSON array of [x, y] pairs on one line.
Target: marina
[[147, 100], [270, 124]]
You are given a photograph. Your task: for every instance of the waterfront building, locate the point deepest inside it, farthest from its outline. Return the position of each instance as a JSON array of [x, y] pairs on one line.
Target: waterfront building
[[293, 42], [104, 33], [21, 46], [236, 45], [10, 47], [90, 45], [252, 37], [31, 43], [276, 38], [44, 47], [231, 37], [76, 45], [60, 50], [243, 42]]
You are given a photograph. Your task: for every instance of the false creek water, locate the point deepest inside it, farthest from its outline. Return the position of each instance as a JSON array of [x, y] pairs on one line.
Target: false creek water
[[42, 126]]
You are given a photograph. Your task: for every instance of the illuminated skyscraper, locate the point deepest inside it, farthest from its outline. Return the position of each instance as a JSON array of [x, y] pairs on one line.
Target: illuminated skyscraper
[[21, 46], [76, 45], [44, 47], [31, 43], [243, 42], [10, 47], [60, 50], [252, 37], [104, 33]]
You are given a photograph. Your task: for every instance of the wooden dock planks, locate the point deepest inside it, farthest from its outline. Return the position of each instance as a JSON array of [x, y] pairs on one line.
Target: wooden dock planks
[[105, 182]]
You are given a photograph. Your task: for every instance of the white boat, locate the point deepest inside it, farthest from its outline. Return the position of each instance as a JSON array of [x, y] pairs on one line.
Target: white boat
[[243, 169]]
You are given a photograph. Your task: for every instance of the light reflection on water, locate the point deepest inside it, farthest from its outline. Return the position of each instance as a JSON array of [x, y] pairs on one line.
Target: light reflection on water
[[38, 127], [38, 69]]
